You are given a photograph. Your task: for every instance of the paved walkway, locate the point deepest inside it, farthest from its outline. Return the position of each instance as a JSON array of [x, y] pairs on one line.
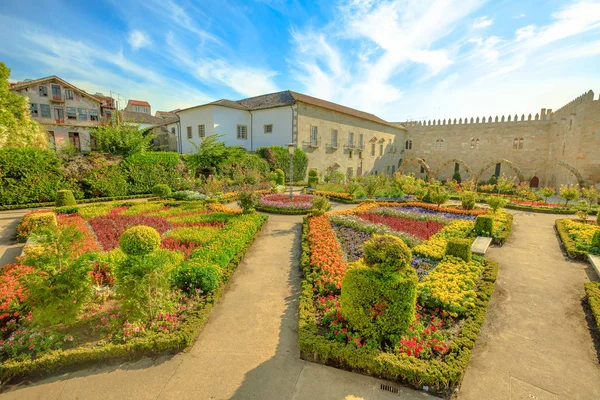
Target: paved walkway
[[9, 248], [535, 343], [247, 350]]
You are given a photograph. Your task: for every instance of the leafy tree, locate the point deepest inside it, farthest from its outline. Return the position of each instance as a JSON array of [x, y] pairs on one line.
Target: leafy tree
[[17, 130], [569, 193], [496, 202], [213, 154], [439, 195], [547, 192], [590, 195], [122, 138]]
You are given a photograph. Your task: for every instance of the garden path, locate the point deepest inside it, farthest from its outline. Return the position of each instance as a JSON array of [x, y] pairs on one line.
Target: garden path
[[247, 350], [535, 342], [9, 248]]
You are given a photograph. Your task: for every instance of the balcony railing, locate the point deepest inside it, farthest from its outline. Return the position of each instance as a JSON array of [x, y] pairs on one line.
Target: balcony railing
[[57, 98], [333, 145], [354, 146], [60, 120], [313, 143]]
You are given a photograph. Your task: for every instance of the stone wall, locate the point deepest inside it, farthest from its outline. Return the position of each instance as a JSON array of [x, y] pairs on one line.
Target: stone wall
[[379, 153], [558, 148]]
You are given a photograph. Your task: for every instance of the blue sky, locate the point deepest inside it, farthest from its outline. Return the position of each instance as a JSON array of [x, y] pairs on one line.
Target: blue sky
[[410, 59]]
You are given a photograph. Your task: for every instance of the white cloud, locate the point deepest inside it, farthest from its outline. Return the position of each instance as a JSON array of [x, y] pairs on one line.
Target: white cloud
[[482, 22], [138, 39], [245, 80], [519, 16]]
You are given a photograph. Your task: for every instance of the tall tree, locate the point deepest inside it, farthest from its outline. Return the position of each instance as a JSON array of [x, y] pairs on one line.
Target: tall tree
[[16, 127]]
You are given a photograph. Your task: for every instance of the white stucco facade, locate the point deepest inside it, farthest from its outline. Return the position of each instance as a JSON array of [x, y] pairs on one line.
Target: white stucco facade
[[224, 121]]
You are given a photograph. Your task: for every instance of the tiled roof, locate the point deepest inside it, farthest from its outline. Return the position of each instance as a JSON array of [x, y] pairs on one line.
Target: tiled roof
[[288, 98], [139, 103], [141, 118], [163, 114], [33, 82]]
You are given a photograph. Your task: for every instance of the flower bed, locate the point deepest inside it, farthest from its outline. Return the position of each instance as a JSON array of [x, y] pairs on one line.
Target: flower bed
[[340, 197], [102, 329], [281, 203], [576, 237], [436, 347], [592, 291], [421, 229]]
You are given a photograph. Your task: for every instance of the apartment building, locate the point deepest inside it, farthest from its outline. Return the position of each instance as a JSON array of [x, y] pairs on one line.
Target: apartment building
[[67, 112]]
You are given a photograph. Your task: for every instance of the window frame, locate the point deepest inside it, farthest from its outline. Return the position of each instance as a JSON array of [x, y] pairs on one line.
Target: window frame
[[381, 149], [93, 113], [268, 129], [69, 94], [47, 106], [74, 116], [43, 90], [80, 114], [244, 132], [201, 131], [372, 149], [34, 110], [334, 138], [75, 143], [189, 132]]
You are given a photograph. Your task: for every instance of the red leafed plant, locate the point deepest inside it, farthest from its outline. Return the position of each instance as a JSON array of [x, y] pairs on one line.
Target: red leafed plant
[[11, 291], [88, 241], [420, 229], [109, 228], [174, 244]]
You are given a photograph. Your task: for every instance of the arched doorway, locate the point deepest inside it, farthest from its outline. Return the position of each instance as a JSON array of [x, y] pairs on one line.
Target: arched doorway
[[424, 166], [463, 164], [534, 182], [512, 166]]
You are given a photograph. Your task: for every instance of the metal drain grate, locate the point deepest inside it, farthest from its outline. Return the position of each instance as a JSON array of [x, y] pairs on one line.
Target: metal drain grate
[[389, 388]]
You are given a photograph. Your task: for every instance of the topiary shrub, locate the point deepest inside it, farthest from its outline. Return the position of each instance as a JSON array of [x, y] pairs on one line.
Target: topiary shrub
[[459, 247], [379, 292], [484, 225], [456, 177], [44, 220], [596, 239], [280, 177], [467, 200], [139, 240], [313, 178], [161, 190], [64, 198], [66, 210], [194, 275], [320, 205]]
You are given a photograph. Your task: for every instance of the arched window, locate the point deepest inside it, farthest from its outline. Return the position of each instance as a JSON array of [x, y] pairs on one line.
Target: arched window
[[408, 144], [515, 144], [521, 143], [439, 144], [477, 143], [474, 143]]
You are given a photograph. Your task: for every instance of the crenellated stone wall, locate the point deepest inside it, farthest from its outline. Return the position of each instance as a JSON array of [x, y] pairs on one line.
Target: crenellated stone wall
[[561, 147]]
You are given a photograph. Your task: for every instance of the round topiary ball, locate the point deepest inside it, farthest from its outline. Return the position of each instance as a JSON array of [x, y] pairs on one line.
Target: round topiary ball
[[387, 253], [161, 190], [139, 240]]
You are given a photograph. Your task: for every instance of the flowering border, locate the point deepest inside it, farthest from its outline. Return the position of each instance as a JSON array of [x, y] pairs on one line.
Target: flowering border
[[439, 376], [137, 347]]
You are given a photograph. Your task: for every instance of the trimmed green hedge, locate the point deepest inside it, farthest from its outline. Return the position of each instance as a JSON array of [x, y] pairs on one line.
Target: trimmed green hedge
[[592, 290], [440, 376], [567, 242], [507, 228], [284, 211], [145, 170], [138, 347], [80, 201]]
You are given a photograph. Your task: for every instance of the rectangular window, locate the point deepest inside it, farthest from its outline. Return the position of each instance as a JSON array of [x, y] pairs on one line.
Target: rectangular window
[[93, 115], [45, 110], [201, 131], [189, 132], [68, 94], [82, 114], [498, 168], [74, 140], [350, 139], [313, 136], [268, 129], [51, 139], [33, 109], [334, 138], [71, 113], [360, 141], [59, 115], [56, 92], [242, 132], [381, 149], [44, 91], [173, 130], [350, 154], [372, 149]]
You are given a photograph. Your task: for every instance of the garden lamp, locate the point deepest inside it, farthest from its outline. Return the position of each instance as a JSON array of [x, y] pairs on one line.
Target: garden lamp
[[291, 153]]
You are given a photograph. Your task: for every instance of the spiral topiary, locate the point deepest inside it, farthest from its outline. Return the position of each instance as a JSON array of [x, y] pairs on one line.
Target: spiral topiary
[[161, 190], [387, 253], [313, 178], [139, 240], [64, 198], [280, 177]]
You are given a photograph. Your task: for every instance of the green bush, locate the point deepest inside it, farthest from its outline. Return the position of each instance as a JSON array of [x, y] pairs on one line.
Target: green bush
[[279, 158], [596, 239], [161, 190], [194, 274], [386, 253], [484, 225], [30, 176], [313, 178], [144, 170], [467, 200], [280, 177], [378, 305], [592, 290], [193, 234], [248, 200], [460, 248], [139, 240], [320, 205], [65, 198], [106, 181], [496, 202], [598, 216], [66, 210]]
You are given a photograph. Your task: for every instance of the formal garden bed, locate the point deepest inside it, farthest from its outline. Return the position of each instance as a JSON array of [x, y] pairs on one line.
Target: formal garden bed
[[579, 237], [393, 290], [297, 204], [116, 281]]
